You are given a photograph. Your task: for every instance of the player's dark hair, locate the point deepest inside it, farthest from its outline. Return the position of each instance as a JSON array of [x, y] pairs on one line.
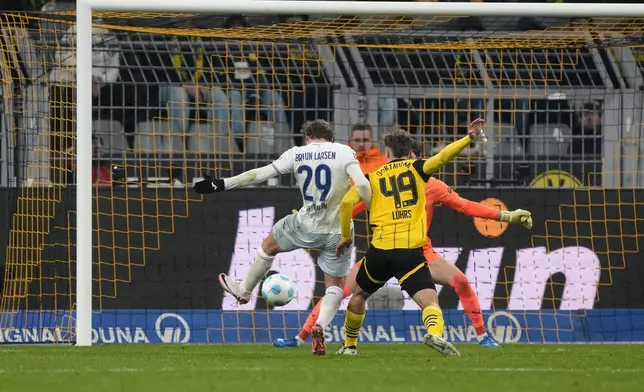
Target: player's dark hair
[[399, 142], [318, 129], [361, 127]]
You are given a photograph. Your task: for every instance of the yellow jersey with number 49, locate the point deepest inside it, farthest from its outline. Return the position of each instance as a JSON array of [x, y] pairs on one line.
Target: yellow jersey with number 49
[[397, 214]]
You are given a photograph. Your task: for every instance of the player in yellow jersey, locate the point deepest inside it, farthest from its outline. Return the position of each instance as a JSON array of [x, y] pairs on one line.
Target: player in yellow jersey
[[398, 219]]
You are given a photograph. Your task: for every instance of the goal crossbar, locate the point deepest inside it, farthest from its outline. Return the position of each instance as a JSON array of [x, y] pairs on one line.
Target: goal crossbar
[[84, 11], [371, 8]]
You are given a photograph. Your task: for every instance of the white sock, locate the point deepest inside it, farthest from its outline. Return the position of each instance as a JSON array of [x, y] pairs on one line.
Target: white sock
[[299, 340], [260, 266], [330, 305], [481, 337]]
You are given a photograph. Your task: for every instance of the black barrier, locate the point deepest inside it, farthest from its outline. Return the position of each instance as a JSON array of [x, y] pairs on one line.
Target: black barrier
[[538, 170], [167, 253]]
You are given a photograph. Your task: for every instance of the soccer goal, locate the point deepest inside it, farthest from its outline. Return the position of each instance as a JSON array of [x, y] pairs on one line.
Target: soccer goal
[[113, 109]]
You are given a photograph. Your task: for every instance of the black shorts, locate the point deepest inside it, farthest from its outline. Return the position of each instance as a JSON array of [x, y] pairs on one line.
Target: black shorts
[[407, 265]]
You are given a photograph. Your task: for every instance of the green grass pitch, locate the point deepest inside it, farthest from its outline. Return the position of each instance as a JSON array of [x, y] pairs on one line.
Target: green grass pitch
[[262, 368]]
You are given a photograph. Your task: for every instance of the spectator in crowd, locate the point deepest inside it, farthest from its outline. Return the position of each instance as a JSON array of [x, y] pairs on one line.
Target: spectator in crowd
[[588, 134], [105, 60], [255, 93], [189, 95], [117, 94], [193, 90], [62, 82], [50, 31], [361, 142]]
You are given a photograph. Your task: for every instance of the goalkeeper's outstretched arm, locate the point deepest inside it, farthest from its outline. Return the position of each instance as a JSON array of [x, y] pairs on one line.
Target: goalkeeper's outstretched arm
[[444, 195]]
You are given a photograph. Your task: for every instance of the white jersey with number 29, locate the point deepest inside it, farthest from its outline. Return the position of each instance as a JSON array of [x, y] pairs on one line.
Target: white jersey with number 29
[[321, 173]]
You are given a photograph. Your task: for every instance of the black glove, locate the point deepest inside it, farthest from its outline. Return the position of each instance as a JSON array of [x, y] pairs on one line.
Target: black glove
[[209, 185]]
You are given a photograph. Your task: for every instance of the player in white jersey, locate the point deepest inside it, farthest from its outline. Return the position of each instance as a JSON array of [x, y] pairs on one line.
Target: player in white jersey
[[323, 170]]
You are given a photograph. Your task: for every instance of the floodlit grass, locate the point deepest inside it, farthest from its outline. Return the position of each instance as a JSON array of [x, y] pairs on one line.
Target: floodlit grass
[[262, 368]]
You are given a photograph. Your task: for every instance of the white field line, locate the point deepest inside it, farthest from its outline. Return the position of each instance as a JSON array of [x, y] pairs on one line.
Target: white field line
[[341, 369], [552, 370]]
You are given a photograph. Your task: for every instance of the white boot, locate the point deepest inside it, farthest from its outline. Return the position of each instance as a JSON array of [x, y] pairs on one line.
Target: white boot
[[234, 288]]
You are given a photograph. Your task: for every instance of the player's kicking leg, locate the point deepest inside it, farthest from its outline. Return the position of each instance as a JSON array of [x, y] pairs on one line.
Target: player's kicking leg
[[283, 238], [258, 269], [446, 273]]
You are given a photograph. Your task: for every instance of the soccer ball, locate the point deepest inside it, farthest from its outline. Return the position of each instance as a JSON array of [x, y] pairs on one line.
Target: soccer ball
[[278, 290]]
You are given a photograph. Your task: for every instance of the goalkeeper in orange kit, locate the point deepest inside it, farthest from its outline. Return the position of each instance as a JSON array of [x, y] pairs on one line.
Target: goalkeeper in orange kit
[[443, 272]]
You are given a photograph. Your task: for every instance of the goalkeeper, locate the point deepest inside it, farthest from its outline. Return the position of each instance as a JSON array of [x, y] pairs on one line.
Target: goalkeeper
[[443, 271]]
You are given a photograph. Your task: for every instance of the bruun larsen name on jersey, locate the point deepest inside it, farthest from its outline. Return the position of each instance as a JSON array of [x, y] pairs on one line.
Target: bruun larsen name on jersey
[[317, 207], [318, 155]]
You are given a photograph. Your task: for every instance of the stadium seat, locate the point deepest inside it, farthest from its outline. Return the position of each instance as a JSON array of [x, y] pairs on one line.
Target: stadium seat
[[111, 132], [550, 140], [267, 138], [157, 136], [144, 142], [114, 143], [504, 139], [202, 141]]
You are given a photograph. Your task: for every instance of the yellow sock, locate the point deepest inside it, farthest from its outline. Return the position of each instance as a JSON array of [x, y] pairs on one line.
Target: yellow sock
[[352, 326], [433, 320]]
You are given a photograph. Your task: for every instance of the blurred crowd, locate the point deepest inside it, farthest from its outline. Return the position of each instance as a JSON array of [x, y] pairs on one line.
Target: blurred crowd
[[185, 93]]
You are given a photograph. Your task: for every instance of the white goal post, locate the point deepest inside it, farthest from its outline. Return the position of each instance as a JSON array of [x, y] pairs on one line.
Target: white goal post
[[84, 11]]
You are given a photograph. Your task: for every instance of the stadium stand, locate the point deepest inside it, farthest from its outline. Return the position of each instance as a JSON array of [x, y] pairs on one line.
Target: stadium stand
[[204, 102]]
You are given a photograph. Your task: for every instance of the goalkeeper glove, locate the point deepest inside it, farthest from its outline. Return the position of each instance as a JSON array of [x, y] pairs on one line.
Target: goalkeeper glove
[[209, 185], [517, 216]]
